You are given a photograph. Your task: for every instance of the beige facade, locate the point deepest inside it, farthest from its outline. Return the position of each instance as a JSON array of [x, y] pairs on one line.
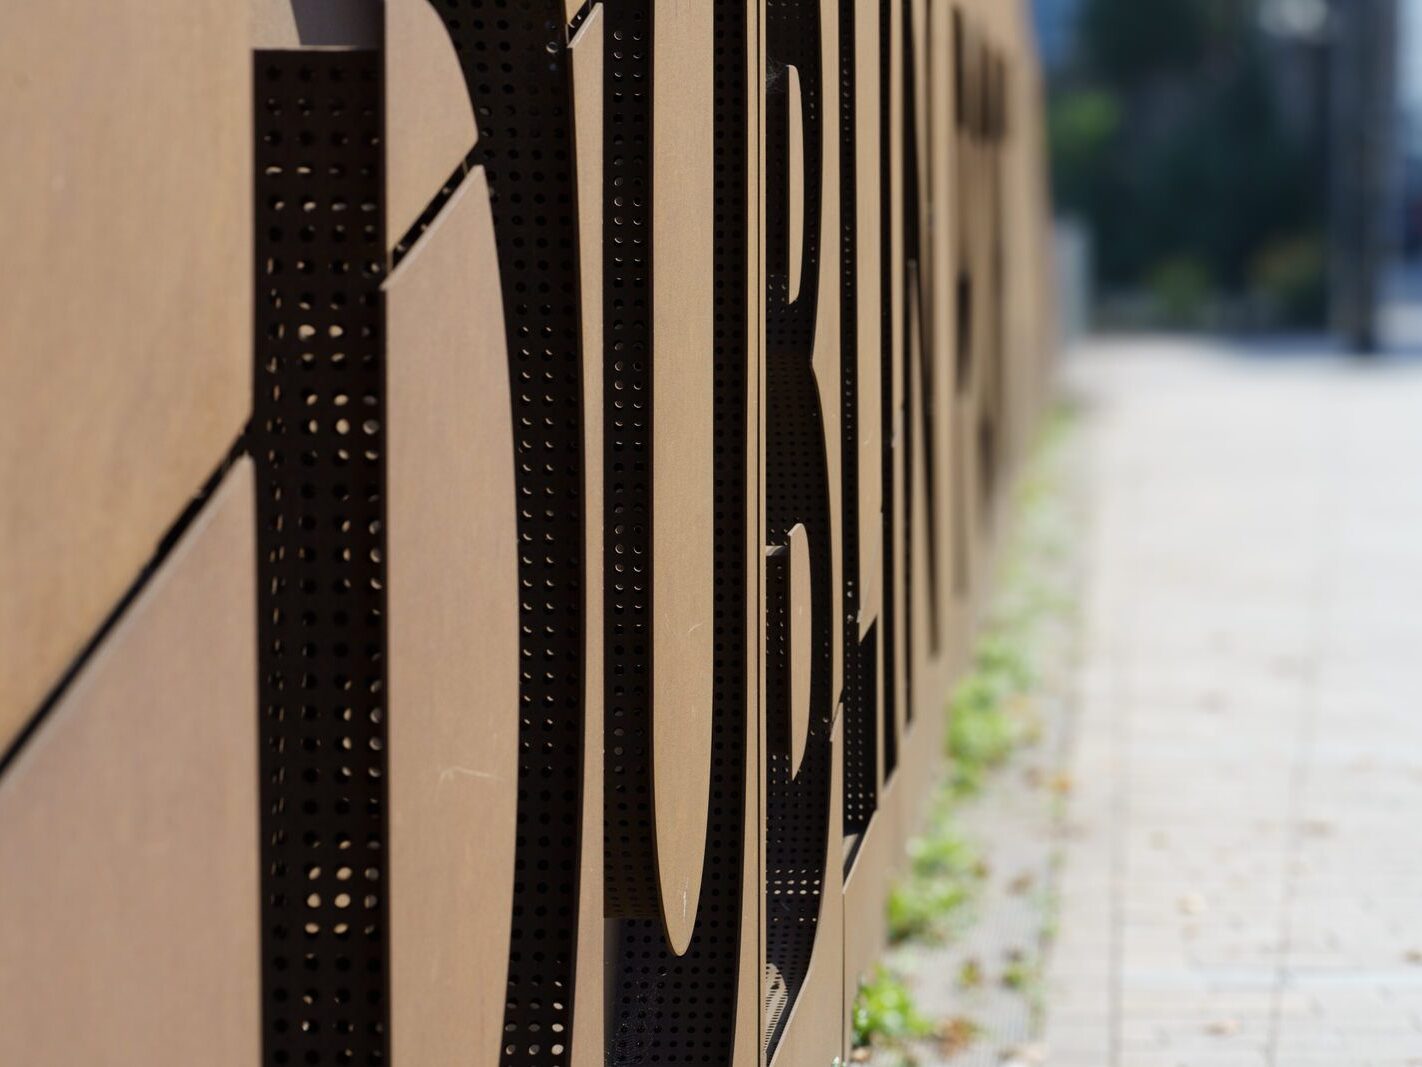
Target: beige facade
[[599, 414]]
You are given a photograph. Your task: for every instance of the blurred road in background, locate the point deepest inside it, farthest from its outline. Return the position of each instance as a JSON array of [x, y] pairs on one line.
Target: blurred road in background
[[1241, 875]]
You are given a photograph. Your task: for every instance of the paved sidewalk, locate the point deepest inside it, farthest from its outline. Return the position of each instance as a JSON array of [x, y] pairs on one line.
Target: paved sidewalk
[[1241, 878]]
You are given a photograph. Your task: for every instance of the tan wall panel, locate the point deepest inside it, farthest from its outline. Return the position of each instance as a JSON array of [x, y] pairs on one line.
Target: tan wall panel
[[124, 370], [920, 749], [683, 174], [945, 225], [1035, 337], [897, 672], [928, 362], [110, 410], [866, 894], [868, 238], [971, 213], [795, 101], [801, 653], [813, 1032], [429, 120], [828, 334], [128, 829], [933, 363], [453, 638]]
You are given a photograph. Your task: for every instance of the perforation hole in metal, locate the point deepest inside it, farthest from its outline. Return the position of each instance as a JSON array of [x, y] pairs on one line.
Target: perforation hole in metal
[[318, 440], [665, 1009], [516, 67]]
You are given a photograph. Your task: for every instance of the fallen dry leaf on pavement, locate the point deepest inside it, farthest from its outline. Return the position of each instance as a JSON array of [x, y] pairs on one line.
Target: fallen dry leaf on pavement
[[1192, 904], [956, 1035]]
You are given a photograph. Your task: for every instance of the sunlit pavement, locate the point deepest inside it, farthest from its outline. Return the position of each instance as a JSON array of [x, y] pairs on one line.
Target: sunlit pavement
[[1242, 875]]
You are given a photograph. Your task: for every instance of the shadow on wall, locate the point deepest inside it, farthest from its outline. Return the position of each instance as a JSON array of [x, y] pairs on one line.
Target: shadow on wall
[[321, 23]]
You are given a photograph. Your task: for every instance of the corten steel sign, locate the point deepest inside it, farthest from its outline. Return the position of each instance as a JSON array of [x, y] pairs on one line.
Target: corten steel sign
[[496, 494]]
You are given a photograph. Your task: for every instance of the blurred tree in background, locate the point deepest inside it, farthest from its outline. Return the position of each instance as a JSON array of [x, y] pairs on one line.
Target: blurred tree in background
[[1132, 43], [1191, 143]]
